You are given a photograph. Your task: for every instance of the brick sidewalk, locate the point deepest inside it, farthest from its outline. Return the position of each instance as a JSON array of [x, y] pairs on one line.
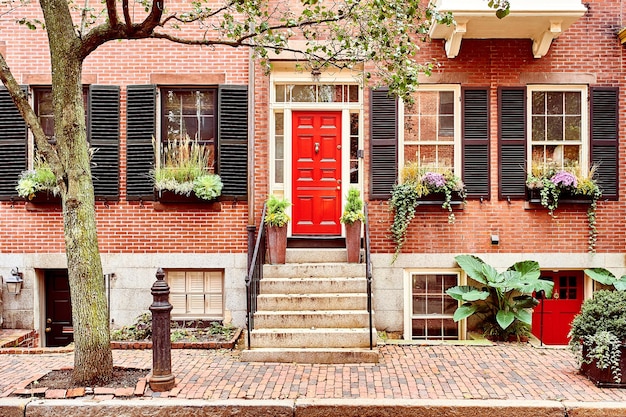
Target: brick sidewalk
[[499, 371]]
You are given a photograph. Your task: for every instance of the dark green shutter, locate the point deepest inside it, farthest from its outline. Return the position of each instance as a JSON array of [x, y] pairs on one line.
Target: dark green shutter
[[383, 143], [104, 139], [605, 139], [232, 140], [476, 142], [140, 130], [13, 145], [512, 134]]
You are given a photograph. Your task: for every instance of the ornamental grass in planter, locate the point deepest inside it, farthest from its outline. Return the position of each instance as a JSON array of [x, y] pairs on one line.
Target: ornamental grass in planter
[[597, 337], [186, 173], [38, 184]]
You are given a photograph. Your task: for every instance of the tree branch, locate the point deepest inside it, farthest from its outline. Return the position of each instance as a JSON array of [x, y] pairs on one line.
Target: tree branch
[[127, 20], [20, 99], [112, 12]]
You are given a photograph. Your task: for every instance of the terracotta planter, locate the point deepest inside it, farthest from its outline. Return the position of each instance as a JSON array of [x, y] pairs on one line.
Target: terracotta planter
[[277, 244], [353, 241], [604, 377]]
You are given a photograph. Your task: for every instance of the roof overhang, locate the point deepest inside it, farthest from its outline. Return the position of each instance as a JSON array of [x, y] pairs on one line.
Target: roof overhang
[[538, 20]]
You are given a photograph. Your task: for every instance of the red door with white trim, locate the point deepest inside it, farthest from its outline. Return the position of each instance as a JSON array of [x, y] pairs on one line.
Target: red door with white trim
[[316, 192], [552, 317]]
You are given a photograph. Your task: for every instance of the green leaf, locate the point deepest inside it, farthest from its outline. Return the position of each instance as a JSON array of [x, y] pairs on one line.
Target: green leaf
[[620, 284], [463, 312], [502, 13], [491, 274], [602, 275], [524, 316], [473, 267], [505, 318], [529, 270], [524, 301], [467, 293]]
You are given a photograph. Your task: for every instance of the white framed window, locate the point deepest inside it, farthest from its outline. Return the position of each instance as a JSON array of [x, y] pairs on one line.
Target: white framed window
[[430, 129], [429, 310], [558, 127], [196, 293]]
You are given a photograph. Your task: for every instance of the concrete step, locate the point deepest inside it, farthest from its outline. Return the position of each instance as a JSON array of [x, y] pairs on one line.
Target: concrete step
[[311, 338], [309, 319], [313, 255], [298, 302], [313, 285], [310, 270], [311, 355]]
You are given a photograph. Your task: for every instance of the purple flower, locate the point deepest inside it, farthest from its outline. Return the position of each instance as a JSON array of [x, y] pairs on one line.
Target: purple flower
[[564, 179], [433, 180]]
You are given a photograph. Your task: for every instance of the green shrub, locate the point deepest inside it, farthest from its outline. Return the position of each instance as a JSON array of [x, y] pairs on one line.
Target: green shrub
[[606, 311]]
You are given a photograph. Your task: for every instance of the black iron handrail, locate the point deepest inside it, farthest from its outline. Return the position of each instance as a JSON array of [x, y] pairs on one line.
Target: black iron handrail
[[254, 275], [368, 274]]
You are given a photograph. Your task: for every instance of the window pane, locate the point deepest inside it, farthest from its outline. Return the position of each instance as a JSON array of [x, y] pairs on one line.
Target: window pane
[[555, 128], [353, 93], [538, 128], [539, 103], [281, 92], [572, 103], [554, 103], [303, 94], [572, 127]]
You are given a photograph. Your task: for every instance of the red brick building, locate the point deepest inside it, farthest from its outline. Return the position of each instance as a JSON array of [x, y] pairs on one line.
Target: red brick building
[[556, 65]]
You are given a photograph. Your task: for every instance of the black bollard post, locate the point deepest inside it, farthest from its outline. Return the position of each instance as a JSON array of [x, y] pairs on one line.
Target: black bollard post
[[162, 378]]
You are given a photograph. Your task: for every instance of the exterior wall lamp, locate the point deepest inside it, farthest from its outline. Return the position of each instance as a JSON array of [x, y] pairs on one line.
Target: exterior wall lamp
[[14, 282]]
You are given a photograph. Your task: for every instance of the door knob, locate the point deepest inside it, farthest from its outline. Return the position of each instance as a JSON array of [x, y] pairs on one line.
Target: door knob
[[48, 320], [48, 329], [317, 147]]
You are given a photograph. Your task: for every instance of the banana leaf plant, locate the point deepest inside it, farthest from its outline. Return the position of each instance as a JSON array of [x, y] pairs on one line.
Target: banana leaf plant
[[504, 299], [606, 277]]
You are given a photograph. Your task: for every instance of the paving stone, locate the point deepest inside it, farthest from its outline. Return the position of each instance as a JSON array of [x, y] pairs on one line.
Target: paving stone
[[75, 392], [125, 392], [55, 394]]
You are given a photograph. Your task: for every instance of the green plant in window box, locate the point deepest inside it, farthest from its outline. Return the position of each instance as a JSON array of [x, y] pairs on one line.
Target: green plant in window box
[[185, 170], [553, 182], [503, 300], [40, 179], [418, 182]]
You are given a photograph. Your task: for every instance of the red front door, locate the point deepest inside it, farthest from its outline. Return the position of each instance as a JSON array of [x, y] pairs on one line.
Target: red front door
[[316, 192], [552, 317]]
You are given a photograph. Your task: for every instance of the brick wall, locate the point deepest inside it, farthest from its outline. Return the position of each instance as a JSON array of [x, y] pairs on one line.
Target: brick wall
[[588, 49]]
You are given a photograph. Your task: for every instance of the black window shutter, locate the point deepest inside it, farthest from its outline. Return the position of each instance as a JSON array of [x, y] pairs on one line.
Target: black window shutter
[[13, 143], [476, 142], [140, 129], [232, 155], [605, 139], [383, 143], [104, 139], [512, 133]]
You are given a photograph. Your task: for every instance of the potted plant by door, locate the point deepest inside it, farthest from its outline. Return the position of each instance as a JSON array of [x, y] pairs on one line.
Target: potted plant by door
[[276, 220], [352, 218], [598, 337]]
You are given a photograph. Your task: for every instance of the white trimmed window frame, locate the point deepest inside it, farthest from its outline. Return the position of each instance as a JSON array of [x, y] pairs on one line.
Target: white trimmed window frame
[[456, 90], [287, 73], [408, 302], [583, 142], [187, 298]]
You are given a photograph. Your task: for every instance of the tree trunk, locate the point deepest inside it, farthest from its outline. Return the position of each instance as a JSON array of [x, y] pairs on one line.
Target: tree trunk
[[93, 360]]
